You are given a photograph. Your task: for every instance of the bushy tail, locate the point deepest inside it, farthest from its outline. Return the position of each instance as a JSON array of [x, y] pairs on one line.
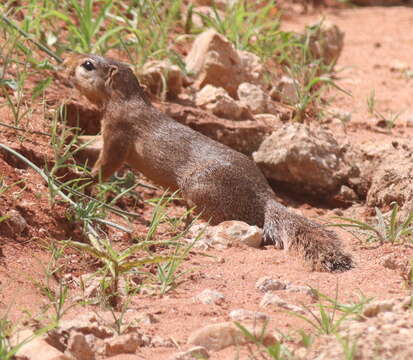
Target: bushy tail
[[319, 247]]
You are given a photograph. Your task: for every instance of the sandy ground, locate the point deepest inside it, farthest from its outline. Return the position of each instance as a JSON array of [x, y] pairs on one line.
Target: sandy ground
[[376, 40]]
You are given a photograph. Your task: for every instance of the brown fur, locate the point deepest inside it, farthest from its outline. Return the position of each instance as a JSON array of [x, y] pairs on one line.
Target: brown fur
[[222, 183]]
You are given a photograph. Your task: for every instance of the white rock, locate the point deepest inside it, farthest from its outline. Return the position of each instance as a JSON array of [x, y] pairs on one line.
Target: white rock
[[214, 60], [272, 299], [398, 66], [210, 297], [218, 101], [302, 289], [16, 221], [286, 90], [219, 336], [266, 284], [343, 116], [311, 160], [253, 97], [251, 66], [158, 341], [122, 344], [204, 11], [81, 346], [155, 73], [36, 349], [226, 234], [146, 318], [238, 232], [347, 193], [195, 353], [242, 315], [377, 307], [271, 120]]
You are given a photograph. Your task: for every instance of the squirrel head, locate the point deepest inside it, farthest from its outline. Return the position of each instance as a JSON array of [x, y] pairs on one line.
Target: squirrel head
[[102, 79]]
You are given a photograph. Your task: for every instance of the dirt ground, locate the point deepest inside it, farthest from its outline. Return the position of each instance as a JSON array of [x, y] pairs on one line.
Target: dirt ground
[[376, 40]]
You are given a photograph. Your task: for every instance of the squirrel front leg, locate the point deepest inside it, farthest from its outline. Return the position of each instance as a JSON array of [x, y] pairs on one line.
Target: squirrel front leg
[[113, 154]]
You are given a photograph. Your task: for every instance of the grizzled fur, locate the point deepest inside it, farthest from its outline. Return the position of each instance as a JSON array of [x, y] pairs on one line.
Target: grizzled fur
[[222, 183]]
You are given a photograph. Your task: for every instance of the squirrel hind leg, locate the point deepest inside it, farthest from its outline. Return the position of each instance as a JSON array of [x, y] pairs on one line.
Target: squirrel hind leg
[[272, 235]]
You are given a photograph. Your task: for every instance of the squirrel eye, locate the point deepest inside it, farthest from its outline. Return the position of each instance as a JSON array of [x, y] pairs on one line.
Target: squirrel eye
[[88, 65]]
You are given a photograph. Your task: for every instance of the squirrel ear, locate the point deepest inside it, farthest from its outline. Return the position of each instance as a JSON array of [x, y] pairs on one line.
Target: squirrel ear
[[113, 70]]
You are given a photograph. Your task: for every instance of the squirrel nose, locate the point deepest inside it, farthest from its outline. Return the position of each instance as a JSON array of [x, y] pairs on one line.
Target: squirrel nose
[[67, 67]]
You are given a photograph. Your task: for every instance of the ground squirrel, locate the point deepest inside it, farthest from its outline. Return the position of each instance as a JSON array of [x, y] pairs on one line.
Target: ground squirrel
[[222, 183]]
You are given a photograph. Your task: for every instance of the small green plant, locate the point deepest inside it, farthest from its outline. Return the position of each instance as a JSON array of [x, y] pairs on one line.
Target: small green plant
[[384, 228], [167, 272], [57, 296], [120, 323], [253, 29], [12, 87], [385, 120], [371, 103], [349, 347], [8, 349], [147, 25], [116, 264], [17, 65], [89, 32], [407, 275], [389, 120], [324, 322], [354, 309], [118, 187], [119, 264], [306, 339], [4, 187], [62, 141], [330, 313], [274, 351], [308, 93], [58, 300], [311, 75], [88, 228]]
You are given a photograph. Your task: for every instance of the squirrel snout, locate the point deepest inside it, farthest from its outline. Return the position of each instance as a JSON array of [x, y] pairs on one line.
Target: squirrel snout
[[68, 66]]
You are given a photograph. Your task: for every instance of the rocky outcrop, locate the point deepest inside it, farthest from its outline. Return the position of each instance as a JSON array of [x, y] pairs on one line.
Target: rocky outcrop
[[214, 60], [218, 101], [244, 136], [254, 98], [91, 336], [162, 77], [392, 181], [310, 160], [384, 331]]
